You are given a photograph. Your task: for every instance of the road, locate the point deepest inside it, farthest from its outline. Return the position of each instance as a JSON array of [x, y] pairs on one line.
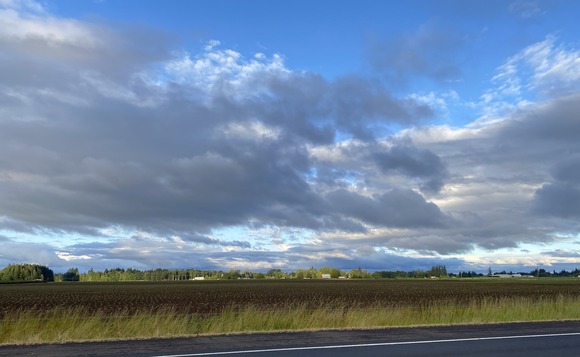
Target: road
[[501, 340]]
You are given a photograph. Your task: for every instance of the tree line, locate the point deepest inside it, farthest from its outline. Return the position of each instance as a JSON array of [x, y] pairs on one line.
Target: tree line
[[23, 272], [119, 274], [14, 273]]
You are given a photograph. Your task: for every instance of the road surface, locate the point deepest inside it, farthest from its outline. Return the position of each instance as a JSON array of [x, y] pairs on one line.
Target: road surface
[[501, 340]]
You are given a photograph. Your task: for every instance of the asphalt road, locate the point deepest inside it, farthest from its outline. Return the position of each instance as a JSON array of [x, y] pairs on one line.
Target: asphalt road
[[513, 340]]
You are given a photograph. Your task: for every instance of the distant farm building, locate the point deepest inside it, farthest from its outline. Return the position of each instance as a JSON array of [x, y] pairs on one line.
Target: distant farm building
[[199, 278], [325, 276]]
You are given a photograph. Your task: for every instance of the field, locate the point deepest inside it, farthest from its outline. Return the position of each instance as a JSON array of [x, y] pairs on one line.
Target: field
[[57, 312]]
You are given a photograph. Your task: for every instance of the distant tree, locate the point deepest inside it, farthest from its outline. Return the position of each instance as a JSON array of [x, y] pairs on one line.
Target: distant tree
[[358, 273], [419, 274], [232, 274], [399, 274], [540, 273], [438, 271], [334, 272], [71, 275], [277, 274]]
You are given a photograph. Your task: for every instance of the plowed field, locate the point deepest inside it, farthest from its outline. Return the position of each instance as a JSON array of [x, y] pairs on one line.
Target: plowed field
[[209, 297]]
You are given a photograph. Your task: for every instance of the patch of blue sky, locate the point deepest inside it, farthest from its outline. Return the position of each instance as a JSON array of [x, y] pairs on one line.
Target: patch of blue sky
[[312, 175]]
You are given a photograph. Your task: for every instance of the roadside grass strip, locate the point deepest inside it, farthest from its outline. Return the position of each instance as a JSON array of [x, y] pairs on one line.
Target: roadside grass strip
[[58, 325]]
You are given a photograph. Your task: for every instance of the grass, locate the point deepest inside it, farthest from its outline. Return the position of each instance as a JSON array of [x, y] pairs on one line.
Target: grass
[[62, 324]]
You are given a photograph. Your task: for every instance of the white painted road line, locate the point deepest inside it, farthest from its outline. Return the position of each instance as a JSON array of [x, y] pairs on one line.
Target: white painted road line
[[372, 345]]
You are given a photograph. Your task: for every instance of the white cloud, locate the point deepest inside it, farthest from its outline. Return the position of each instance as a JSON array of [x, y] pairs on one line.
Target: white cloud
[[211, 44], [18, 23], [23, 5], [251, 130], [440, 102], [226, 71], [71, 257], [543, 66], [440, 133], [498, 259], [545, 69]]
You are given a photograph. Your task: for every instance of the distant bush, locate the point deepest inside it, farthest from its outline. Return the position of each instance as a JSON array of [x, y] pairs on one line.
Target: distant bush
[[25, 273]]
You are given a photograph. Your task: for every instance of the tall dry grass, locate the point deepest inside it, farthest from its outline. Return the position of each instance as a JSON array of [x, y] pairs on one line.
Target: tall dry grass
[[70, 324]]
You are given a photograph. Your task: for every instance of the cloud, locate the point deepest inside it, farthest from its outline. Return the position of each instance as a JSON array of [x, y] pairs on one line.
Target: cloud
[[430, 52], [227, 72], [28, 5], [356, 102], [33, 39], [562, 253], [561, 197], [34, 253], [107, 131], [414, 163], [545, 67], [145, 250], [512, 180], [397, 208]]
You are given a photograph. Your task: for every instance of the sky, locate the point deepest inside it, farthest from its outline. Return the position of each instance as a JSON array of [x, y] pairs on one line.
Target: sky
[[257, 135]]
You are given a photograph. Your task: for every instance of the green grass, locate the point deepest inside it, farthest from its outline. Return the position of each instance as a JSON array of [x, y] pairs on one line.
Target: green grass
[[69, 324]]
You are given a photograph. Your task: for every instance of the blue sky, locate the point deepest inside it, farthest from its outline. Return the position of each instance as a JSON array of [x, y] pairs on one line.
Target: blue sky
[[272, 134]]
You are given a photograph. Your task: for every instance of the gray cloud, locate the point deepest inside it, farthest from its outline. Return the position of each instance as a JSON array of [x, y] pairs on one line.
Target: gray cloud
[[397, 208], [561, 253], [555, 134], [214, 241], [146, 252], [356, 101], [413, 163], [568, 170], [550, 133], [561, 197], [310, 107], [37, 253], [89, 140], [510, 182], [558, 199]]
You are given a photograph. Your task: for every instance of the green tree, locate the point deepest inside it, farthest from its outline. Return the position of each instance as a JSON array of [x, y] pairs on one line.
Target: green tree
[[71, 275], [25, 273], [438, 271]]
